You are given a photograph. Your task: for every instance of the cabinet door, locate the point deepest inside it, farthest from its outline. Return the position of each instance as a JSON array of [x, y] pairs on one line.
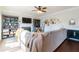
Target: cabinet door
[[70, 34], [77, 35]]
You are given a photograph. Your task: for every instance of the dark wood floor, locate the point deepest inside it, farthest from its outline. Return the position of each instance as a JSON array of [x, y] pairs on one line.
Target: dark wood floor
[[68, 46]]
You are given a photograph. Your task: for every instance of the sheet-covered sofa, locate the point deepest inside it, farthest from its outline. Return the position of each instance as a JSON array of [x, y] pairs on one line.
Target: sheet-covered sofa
[[50, 40], [53, 39]]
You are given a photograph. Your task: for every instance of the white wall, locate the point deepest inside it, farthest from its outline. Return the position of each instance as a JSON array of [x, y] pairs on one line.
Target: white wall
[[1, 8], [18, 14], [0, 27], [64, 16]]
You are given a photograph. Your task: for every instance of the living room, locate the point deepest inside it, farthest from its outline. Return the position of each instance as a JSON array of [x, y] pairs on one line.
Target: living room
[[52, 18]]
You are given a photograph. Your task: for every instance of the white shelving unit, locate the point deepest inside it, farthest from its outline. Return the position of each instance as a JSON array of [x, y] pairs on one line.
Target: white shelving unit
[[9, 26]]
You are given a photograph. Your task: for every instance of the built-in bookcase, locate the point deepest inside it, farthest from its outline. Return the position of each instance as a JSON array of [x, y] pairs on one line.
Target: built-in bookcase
[[9, 26]]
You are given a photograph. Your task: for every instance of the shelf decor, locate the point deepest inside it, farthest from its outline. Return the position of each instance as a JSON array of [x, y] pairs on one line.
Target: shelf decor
[[9, 23], [72, 22]]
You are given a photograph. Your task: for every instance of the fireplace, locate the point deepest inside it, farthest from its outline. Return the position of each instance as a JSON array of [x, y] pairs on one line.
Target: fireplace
[[27, 28]]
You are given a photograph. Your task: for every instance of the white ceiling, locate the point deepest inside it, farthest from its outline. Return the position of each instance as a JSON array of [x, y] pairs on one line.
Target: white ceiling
[[54, 9], [28, 9]]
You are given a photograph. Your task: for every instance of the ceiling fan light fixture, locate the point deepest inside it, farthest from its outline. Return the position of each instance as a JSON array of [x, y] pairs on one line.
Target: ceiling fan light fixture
[[39, 12], [40, 9]]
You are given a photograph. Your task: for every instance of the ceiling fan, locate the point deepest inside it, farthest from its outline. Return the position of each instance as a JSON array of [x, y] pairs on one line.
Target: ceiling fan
[[40, 9]]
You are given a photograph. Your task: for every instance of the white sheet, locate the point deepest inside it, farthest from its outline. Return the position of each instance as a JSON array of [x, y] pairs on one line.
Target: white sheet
[[53, 27]]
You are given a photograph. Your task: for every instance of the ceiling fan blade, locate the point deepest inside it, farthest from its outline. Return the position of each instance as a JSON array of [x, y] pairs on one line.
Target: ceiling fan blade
[[44, 11], [40, 8], [44, 7], [35, 6]]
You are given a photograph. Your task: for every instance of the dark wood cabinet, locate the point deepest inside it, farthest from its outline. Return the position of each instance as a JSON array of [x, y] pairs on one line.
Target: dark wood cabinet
[[77, 34], [73, 34]]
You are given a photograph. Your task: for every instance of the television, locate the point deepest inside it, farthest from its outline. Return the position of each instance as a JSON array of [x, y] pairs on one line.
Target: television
[[26, 20]]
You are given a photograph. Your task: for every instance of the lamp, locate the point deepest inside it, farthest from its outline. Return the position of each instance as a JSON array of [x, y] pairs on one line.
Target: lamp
[[39, 12]]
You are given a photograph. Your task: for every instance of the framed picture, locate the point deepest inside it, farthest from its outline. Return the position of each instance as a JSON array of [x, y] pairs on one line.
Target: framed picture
[[72, 22]]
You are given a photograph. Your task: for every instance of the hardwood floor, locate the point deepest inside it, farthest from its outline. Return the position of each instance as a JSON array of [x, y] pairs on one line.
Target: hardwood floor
[[68, 46]]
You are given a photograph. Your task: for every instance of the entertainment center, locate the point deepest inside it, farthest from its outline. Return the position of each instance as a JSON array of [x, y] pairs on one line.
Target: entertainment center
[[9, 26], [30, 24]]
